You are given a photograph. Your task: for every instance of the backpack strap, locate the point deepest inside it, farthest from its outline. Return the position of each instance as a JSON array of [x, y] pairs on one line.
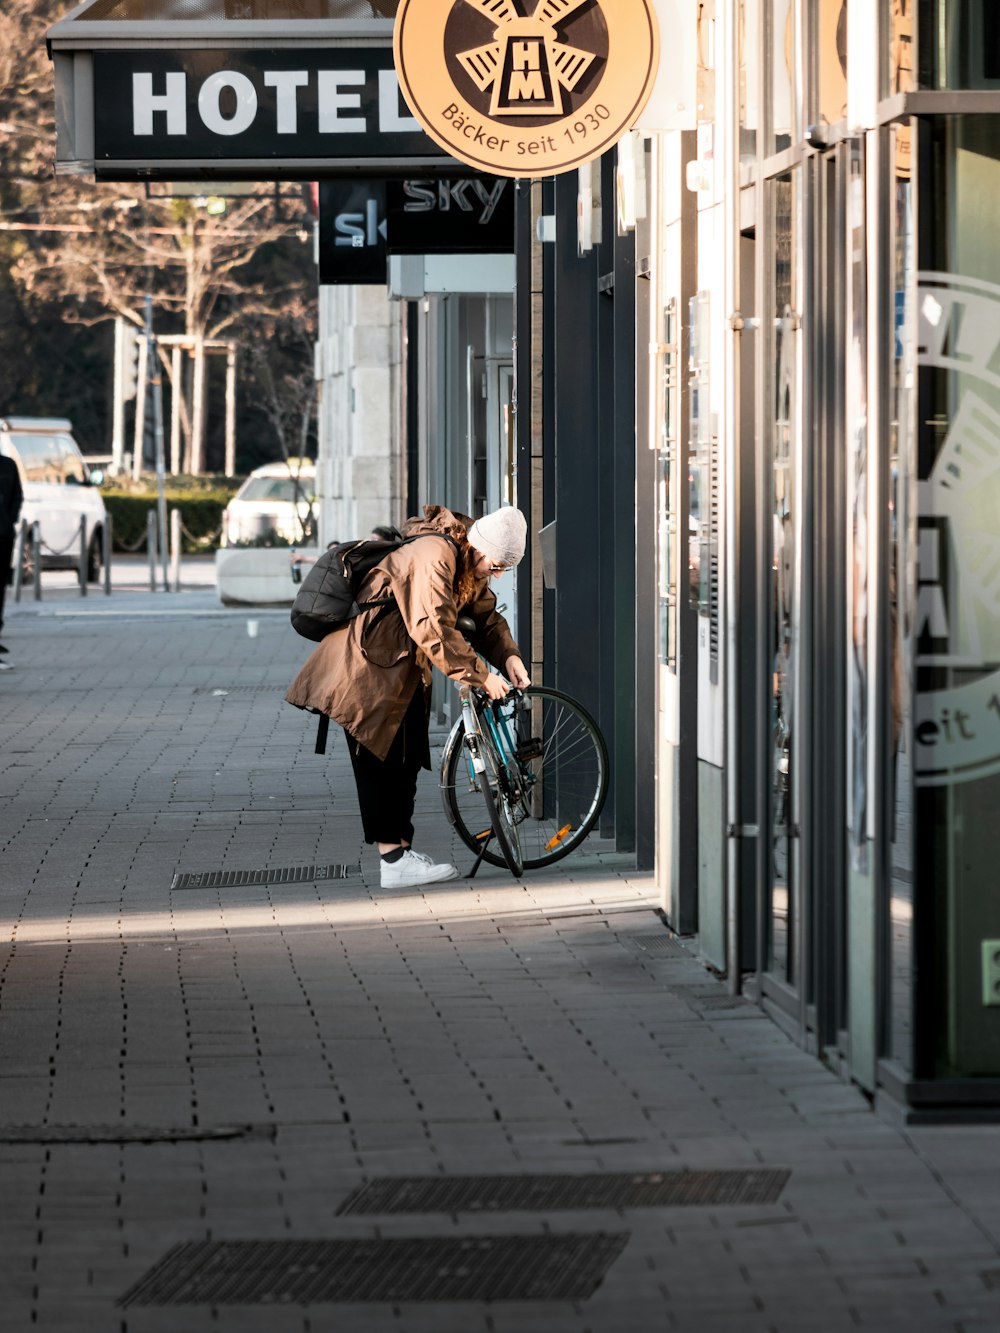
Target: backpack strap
[[321, 733], [385, 601]]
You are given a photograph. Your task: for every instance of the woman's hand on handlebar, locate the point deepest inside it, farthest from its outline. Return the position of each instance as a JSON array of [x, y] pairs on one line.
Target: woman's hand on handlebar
[[495, 687], [517, 673]]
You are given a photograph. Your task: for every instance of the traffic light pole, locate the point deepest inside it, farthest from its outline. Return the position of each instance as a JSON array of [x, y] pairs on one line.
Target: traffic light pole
[[155, 379]]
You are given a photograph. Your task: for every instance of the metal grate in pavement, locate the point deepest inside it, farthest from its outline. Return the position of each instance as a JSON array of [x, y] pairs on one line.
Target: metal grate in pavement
[[231, 879], [660, 945], [490, 1194], [480, 1268], [57, 1134]]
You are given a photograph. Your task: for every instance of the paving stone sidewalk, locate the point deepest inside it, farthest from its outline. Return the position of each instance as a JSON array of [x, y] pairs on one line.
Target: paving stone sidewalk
[[182, 1065]]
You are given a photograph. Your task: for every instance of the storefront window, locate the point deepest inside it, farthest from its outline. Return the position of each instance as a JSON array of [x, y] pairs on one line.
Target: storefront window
[[902, 463], [749, 65], [858, 551], [957, 632], [831, 56], [783, 218], [667, 491], [899, 72], [959, 43], [785, 95]]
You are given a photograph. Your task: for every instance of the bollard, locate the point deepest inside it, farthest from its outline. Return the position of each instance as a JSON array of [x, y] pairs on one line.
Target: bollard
[[175, 550], [83, 555], [19, 545], [151, 546], [36, 559], [106, 553]]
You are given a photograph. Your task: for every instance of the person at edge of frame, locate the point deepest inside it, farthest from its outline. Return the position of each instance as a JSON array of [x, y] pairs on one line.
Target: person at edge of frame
[[11, 498], [373, 676]]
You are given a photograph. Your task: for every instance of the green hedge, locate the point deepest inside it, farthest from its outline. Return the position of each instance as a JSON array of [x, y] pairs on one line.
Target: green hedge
[[201, 515]]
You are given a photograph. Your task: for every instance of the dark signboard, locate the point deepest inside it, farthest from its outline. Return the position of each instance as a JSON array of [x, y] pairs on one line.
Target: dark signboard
[[218, 108], [360, 221], [352, 232], [458, 215]]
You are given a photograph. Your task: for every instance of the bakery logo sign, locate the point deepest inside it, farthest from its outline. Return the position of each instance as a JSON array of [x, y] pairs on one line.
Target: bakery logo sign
[[526, 87], [957, 707]]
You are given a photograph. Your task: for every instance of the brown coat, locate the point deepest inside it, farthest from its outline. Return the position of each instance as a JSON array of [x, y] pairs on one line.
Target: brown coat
[[364, 675]]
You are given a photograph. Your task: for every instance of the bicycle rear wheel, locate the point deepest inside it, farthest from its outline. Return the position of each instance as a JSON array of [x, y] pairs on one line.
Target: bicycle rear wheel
[[562, 771]]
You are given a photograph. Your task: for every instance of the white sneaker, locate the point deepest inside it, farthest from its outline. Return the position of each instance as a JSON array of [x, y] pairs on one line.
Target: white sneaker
[[412, 868]]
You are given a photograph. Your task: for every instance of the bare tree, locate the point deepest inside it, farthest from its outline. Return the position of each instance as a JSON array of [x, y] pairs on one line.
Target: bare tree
[[99, 249], [285, 391]]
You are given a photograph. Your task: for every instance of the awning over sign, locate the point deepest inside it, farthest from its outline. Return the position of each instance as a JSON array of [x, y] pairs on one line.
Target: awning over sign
[[232, 89]]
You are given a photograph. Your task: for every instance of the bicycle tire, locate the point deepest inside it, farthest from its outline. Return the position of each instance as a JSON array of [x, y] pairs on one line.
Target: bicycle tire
[[558, 814]]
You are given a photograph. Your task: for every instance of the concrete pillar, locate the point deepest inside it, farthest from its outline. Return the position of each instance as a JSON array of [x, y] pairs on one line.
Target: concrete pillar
[[361, 475]]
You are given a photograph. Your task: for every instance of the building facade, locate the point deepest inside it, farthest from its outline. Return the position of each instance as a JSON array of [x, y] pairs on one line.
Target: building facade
[[823, 411]]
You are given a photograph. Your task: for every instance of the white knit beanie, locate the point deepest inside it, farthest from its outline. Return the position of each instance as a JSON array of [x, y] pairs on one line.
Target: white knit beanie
[[500, 535]]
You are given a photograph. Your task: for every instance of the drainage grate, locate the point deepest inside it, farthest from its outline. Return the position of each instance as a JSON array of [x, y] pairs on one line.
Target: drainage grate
[[656, 946], [482, 1268], [490, 1194], [55, 1134], [232, 879], [724, 1001]]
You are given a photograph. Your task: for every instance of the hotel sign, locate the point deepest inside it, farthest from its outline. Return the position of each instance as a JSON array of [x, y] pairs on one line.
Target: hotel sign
[[288, 111], [530, 93]]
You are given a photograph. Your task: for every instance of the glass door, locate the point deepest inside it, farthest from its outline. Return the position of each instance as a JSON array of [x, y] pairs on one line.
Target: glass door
[[782, 534]]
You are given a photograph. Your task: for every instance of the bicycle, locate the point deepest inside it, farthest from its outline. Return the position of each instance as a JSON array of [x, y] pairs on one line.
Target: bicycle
[[538, 762]]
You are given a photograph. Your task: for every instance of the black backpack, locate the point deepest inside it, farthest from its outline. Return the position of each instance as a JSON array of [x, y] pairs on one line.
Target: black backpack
[[327, 599]]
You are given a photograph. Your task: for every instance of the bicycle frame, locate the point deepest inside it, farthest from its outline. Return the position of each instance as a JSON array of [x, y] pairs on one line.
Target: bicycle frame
[[492, 758], [475, 712]]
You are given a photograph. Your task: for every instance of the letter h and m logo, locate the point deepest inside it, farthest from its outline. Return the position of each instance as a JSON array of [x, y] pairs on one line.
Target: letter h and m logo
[[527, 66]]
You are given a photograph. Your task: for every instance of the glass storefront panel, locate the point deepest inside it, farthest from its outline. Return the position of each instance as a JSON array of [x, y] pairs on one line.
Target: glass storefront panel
[[959, 44], [785, 104], [749, 64], [667, 488], [899, 72], [901, 382], [856, 386], [956, 725], [783, 220], [830, 55]]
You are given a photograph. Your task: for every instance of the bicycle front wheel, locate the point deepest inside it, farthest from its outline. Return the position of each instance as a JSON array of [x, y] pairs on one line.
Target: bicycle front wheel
[[499, 793], [562, 766]]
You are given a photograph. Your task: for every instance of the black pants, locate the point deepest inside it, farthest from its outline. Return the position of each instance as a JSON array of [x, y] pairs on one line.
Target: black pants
[[387, 787], [6, 552]]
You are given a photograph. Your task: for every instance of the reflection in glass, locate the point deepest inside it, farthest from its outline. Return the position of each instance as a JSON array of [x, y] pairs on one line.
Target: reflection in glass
[[956, 752], [959, 43], [700, 518], [667, 498], [749, 14], [900, 51], [902, 465], [785, 114], [784, 347], [857, 516], [831, 58]]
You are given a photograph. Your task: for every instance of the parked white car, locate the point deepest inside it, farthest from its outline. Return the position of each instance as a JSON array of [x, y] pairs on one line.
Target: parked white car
[[277, 498], [60, 490]]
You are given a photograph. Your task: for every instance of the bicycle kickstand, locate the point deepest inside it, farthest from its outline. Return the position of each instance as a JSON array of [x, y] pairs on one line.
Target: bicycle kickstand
[[479, 858]]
